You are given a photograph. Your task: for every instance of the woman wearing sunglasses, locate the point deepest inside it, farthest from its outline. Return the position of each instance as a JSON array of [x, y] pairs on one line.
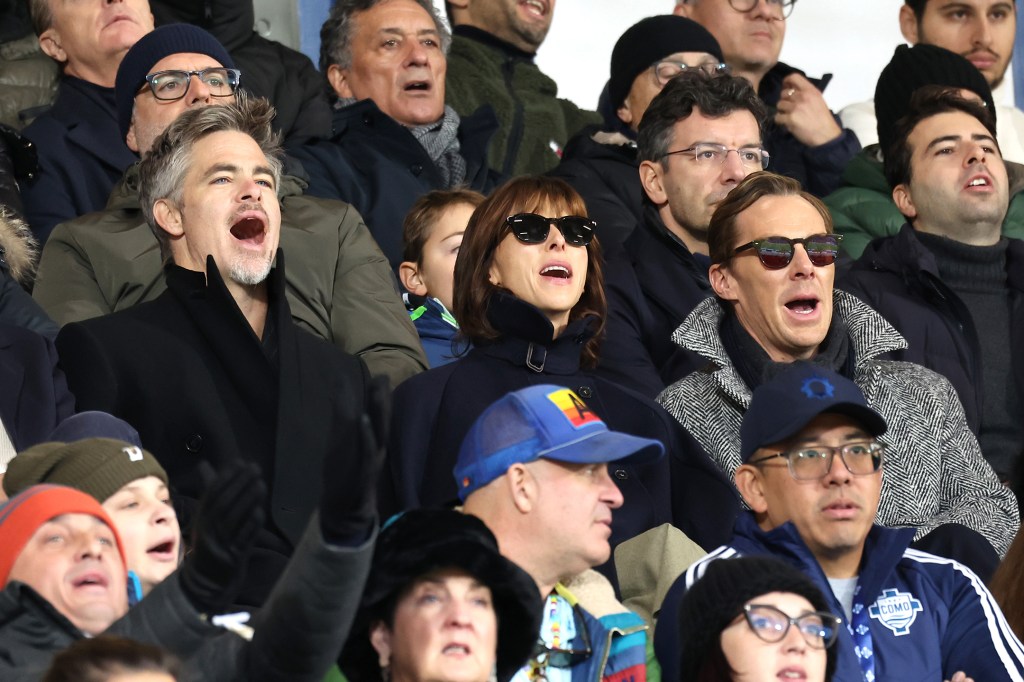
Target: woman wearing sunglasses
[[751, 619], [528, 294], [441, 604]]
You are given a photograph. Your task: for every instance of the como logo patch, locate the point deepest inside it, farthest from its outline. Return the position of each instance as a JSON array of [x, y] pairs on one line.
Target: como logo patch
[[896, 611]]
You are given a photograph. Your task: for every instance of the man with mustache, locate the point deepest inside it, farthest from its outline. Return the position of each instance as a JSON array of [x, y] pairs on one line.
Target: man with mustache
[[949, 281], [215, 369], [981, 31], [773, 254], [700, 136], [814, 456]]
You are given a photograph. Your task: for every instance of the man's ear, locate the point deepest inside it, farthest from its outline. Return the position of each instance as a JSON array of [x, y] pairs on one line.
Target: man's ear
[[168, 217], [380, 639], [624, 113], [650, 179], [722, 281], [908, 24], [522, 486], [411, 279], [750, 485], [130, 139], [49, 43], [904, 202], [682, 9], [338, 78]]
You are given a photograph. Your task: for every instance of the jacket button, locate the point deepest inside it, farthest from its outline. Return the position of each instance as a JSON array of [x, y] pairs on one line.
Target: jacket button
[[194, 443], [416, 168], [367, 119], [585, 392], [621, 474]]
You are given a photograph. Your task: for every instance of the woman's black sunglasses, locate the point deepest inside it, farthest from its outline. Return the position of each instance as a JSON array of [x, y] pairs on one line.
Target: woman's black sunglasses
[[530, 228]]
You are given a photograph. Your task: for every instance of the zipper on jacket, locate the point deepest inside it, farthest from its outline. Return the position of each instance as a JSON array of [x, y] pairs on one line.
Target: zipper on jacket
[[608, 647], [515, 137]]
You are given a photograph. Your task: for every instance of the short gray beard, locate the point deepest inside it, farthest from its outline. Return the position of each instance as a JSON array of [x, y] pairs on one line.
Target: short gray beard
[[249, 271]]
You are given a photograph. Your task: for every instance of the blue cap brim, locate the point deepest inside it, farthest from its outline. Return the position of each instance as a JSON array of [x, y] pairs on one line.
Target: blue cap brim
[[607, 446]]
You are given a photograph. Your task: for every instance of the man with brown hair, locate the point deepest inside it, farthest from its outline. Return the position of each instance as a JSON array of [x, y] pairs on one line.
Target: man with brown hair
[[773, 257]]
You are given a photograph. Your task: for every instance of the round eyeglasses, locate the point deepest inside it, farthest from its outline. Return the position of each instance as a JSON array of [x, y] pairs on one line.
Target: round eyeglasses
[[771, 624], [530, 228], [710, 154], [172, 85], [776, 253], [665, 69], [781, 7], [814, 463]]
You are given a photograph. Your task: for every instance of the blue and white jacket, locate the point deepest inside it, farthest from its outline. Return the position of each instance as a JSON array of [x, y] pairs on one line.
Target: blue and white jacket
[[949, 621]]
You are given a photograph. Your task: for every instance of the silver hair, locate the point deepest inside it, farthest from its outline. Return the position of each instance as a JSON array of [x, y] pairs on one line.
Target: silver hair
[[162, 172], [336, 33]]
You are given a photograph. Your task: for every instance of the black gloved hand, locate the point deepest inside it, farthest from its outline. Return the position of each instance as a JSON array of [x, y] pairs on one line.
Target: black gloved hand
[[230, 516], [348, 505]]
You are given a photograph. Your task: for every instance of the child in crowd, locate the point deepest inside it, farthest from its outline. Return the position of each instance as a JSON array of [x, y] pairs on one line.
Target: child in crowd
[[431, 236], [113, 659]]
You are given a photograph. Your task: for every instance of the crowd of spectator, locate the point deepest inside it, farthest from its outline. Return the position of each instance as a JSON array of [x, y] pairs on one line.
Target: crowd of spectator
[[711, 383]]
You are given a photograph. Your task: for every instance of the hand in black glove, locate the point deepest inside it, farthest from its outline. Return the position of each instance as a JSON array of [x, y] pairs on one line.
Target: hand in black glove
[[230, 516], [348, 505]]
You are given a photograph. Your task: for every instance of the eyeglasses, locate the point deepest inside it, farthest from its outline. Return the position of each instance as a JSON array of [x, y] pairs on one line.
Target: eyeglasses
[[666, 70], [776, 253], [710, 154], [172, 85], [812, 464], [819, 628], [783, 7], [556, 657], [530, 228]]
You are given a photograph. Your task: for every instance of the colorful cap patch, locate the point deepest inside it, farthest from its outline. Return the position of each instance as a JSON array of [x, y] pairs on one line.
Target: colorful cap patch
[[543, 421]]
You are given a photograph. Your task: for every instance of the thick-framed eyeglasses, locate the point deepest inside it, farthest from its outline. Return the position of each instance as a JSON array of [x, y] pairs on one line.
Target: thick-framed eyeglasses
[[818, 628], [710, 154], [783, 7], [556, 657], [776, 253], [173, 84], [666, 69], [814, 463], [530, 228]]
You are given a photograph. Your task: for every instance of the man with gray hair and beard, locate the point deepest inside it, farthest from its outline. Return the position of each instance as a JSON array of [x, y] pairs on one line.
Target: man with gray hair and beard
[[214, 369]]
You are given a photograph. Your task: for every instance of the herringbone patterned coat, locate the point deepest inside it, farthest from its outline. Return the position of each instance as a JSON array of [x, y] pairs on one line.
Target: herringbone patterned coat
[[934, 472]]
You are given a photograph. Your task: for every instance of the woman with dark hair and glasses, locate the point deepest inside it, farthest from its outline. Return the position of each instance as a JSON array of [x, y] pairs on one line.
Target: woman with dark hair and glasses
[[441, 604], [529, 296], [750, 618]]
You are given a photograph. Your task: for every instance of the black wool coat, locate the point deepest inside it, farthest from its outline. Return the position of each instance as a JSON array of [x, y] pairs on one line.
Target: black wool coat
[[187, 371]]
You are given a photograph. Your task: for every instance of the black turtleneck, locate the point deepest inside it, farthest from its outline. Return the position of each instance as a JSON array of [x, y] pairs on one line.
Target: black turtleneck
[[978, 276], [482, 36]]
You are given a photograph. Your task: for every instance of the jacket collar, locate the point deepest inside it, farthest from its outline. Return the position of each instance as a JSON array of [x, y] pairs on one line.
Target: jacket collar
[[481, 36], [883, 550], [526, 337], [870, 336]]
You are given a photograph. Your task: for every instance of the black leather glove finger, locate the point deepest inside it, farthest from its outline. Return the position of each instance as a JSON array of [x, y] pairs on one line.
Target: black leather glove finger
[[230, 516], [348, 505]]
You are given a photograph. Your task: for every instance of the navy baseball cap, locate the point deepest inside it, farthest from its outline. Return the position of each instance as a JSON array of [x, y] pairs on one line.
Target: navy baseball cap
[[544, 421], [787, 403]]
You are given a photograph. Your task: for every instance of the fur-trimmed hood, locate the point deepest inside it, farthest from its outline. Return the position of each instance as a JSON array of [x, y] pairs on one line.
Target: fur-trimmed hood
[[19, 250]]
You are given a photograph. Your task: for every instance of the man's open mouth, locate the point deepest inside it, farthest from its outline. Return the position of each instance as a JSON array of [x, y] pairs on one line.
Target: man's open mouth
[[803, 306]]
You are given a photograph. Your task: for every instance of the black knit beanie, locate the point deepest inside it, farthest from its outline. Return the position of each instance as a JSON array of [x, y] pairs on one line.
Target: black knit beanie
[[648, 41], [718, 597], [915, 67], [151, 48]]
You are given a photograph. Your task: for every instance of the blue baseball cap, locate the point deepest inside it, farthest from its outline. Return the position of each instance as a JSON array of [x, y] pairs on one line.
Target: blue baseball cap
[[787, 403], [544, 421]]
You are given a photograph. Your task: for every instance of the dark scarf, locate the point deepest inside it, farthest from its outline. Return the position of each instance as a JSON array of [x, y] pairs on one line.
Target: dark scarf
[[755, 367]]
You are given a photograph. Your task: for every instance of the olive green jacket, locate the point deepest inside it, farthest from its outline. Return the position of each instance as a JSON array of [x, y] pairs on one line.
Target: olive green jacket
[[534, 125]]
